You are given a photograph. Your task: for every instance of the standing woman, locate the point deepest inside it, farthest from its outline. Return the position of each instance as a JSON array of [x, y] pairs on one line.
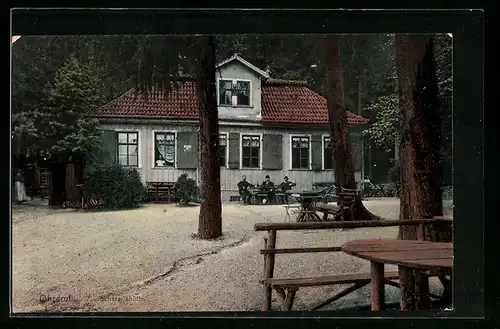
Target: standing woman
[[20, 190]]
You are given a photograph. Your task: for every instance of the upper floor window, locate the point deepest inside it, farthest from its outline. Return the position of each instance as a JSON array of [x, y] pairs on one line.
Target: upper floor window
[[234, 92], [165, 149], [128, 145], [327, 153], [300, 152]]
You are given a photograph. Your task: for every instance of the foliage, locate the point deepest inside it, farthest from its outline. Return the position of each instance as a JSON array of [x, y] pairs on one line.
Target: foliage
[[117, 186], [385, 129], [60, 125], [186, 189]]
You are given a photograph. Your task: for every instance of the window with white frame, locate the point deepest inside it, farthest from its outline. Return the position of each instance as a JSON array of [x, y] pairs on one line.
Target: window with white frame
[[327, 153], [222, 149], [164, 149], [234, 92], [300, 152], [128, 149], [250, 150]]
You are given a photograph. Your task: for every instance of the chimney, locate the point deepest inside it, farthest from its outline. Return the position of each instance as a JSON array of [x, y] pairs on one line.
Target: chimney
[[268, 70]]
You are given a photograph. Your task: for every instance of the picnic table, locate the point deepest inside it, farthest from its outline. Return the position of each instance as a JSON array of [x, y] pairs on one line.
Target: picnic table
[[307, 200], [407, 254]]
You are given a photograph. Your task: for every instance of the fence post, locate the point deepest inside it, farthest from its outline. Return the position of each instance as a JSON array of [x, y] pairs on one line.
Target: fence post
[[269, 269]]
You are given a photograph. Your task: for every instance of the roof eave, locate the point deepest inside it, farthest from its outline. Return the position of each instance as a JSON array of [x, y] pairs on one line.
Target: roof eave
[[244, 62]]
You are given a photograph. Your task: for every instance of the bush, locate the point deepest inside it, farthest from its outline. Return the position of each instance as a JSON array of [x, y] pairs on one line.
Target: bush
[[186, 189], [118, 187]]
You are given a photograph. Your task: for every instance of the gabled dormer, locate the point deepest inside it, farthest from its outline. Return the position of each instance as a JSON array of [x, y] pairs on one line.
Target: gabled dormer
[[239, 89]]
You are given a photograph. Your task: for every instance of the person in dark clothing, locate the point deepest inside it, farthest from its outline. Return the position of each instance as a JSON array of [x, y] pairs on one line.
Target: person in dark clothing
[[268, 187], [243, 186], [286, 185]]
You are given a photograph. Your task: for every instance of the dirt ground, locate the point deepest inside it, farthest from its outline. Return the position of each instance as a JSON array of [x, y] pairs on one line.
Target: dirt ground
[[147, 259]]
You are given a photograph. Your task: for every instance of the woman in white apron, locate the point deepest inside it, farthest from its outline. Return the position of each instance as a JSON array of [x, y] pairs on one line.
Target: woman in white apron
[[20, 190]]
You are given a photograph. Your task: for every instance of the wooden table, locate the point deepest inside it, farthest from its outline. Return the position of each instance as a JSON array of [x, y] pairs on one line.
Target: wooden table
[[307, 206], [407, 254]]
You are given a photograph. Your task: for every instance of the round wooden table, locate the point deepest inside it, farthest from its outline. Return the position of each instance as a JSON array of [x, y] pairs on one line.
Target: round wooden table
[[407, 254]]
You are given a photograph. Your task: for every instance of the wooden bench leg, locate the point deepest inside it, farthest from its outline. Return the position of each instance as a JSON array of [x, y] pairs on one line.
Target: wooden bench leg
[[286, 297], [290, 298], [377, 285], [341, 294], [270, 244]]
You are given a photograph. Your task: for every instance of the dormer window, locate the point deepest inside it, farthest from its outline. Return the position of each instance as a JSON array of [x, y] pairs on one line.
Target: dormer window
[[234, 92]]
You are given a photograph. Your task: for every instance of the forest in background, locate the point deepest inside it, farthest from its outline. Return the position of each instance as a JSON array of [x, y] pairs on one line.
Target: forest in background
[[107, 66]]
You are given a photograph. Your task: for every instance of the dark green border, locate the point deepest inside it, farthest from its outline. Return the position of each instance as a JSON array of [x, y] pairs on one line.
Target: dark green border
[[467, 29]]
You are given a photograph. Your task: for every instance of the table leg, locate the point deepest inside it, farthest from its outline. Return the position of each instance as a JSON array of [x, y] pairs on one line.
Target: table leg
[[377, 283], [407, 287]]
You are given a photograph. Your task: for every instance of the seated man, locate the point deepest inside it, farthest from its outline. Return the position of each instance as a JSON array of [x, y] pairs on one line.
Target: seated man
[[268, 187], [287, 185], [243, 186]]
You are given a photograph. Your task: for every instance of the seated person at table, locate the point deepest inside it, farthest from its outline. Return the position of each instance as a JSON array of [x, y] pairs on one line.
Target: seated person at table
[[243, 186], [268, 187], [286, 185]]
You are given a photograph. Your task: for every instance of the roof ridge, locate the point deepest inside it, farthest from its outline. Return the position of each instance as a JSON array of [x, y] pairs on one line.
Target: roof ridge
[[273, 81]]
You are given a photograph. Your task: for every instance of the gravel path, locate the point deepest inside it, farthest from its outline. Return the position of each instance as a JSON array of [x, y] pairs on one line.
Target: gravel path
[[147, 259]]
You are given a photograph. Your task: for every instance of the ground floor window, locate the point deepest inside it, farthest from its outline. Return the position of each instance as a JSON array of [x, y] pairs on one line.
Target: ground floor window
[[250, 151], [300, 152], [222, 149], [164, 149], [128, 149], [327, 153]]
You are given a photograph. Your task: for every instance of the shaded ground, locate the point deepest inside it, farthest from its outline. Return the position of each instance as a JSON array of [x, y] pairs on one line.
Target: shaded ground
[[147, 260]]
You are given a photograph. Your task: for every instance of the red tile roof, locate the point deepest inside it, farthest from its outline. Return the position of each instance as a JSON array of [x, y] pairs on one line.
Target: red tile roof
[[179, 103], [286, 101], [283, 101]]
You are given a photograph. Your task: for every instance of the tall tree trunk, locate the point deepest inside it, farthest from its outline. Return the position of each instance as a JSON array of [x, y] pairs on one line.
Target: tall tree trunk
[[210, 220], [420, 139], [339, 128]]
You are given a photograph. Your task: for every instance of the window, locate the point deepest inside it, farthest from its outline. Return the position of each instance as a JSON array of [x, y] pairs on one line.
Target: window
[[327, 153], [165, 149], [229, 89], [250, 151], [128, 154], [222, 149], [300, 152], [243, 92], [225, 92]]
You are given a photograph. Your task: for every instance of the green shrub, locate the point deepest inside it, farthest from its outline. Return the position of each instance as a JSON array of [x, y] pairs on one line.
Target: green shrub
[[118, 187], [186, 189]]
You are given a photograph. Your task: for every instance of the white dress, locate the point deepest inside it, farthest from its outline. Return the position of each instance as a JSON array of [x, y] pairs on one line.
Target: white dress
[[20, 192]]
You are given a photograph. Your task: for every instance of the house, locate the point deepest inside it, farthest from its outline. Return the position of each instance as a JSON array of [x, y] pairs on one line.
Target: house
[[267, 127]]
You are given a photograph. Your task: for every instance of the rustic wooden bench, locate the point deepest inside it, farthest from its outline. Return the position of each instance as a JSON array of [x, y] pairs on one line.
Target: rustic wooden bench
[[161, 191], [286, 288], [345, 200]]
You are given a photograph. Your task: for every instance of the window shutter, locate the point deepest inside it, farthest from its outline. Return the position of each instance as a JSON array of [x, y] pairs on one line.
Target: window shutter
[[234, 151], [272, 152], [187, 150], [109, 150], [316, 152]]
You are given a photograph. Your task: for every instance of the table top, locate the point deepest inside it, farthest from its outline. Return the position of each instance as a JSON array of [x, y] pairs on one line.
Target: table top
[[409, 253]]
